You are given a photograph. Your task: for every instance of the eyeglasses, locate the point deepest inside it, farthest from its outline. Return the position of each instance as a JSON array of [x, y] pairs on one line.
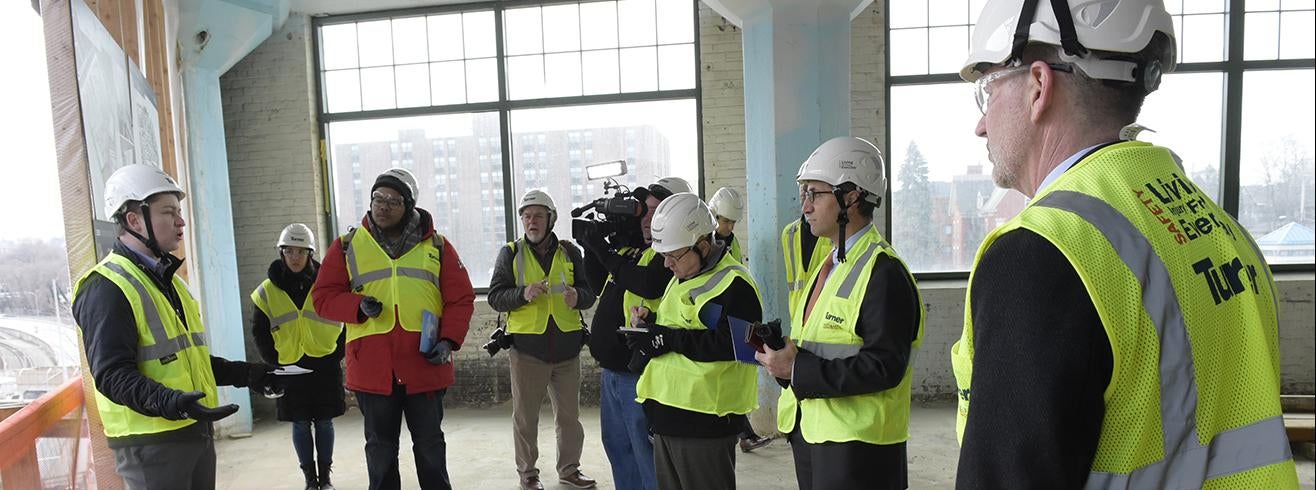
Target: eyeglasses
[[383, 201], [982, 93], [296, 252], [676, 258], [808, 195]]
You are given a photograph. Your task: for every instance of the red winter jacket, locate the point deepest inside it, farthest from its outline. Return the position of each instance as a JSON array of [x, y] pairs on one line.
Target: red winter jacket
[[374, 361]]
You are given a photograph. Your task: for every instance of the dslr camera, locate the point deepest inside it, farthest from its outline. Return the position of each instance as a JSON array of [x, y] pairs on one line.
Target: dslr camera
[[498, 340], [615, 217]]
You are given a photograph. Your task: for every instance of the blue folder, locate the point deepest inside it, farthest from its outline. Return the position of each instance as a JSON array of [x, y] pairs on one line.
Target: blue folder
[[429, 331], [743, 350]]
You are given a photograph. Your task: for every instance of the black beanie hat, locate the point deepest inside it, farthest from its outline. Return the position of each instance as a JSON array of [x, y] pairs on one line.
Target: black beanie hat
[[391, 182]]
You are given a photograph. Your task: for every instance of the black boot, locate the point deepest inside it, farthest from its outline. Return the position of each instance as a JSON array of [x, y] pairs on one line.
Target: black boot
[[312, 483], [324, 475]]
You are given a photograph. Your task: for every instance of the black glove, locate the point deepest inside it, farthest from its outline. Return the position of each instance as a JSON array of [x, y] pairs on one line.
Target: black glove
[[371, 307], [259, 375], [188, 406], [656, 342], [595, 243], [442, 353]]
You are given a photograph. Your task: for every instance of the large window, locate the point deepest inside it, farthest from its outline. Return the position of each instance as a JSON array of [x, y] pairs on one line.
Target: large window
[[1238, 110], [483, 102]]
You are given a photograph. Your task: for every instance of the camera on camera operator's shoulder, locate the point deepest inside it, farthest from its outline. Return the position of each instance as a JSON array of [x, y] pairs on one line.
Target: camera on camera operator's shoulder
[[615, 217]]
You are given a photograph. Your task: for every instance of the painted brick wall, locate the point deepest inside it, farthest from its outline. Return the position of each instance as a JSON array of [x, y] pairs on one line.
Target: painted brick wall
[[721, 73], [273, 149]]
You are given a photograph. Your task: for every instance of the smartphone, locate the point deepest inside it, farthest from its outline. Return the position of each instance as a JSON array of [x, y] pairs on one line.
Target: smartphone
[[752, 338]]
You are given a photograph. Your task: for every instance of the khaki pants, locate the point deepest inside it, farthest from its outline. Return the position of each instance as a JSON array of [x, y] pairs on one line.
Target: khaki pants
[[531, 378]]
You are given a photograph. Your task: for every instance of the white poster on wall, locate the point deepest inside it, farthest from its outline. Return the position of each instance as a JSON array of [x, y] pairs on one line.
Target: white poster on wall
[[119, 117]]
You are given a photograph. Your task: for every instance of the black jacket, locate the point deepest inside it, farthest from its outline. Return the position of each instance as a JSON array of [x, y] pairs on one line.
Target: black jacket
[[109, 334], [612, 274], [319, 394], [505, 295], [888, 322], [1041, 365]]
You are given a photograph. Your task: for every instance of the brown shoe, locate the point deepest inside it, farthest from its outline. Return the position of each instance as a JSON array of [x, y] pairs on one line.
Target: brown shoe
[[747, 445], [531, 483], [578, 480]]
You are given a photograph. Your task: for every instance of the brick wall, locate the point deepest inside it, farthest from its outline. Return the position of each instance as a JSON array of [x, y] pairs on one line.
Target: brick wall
[[273, 149], [722, 71]]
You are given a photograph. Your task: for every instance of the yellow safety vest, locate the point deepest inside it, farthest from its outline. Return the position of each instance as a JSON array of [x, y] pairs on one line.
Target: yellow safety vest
[[734, 250], [716, 388], [532, 318], [876, 418], [168, 350], [297, 331], [1189, 308], [629, 299], [793, 253], [406, 286]]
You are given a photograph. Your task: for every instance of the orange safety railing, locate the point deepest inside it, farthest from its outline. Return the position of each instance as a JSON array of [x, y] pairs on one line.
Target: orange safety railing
[[47, 417]]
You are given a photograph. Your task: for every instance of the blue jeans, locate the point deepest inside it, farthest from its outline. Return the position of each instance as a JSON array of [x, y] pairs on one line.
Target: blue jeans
[[626, 433], [306, 445], [383, 420]]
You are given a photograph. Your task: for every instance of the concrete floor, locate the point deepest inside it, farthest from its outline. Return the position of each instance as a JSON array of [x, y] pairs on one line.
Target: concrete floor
[[480, 454]]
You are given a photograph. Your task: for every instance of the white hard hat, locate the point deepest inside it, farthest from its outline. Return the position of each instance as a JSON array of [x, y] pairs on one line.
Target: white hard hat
[[679, 222], [673, 185], [400, 174], [536, 197], [1120, 27], [847, 159], [297, 235], [728, 204], [137, 182]]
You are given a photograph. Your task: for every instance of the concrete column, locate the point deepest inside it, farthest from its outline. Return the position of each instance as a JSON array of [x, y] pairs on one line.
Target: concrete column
[[797, 95], [212, 36]]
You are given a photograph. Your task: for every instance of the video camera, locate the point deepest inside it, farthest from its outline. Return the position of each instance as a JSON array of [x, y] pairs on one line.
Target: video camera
[[616, 216]]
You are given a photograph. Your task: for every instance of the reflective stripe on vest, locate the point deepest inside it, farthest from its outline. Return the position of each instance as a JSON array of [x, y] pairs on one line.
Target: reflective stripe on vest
[[1157, 303], [1189, 463], [164, 345], [532, 318], [406, 286], [296, 331], [180, 361], [831, 333], [717, 388]]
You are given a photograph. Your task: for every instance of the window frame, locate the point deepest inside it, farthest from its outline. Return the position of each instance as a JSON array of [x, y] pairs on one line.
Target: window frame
[[1234, 67], [504, 106]]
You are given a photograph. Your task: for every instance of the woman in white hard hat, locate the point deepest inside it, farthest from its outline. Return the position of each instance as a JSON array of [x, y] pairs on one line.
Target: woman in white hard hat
[[288, 332], [694, 392]]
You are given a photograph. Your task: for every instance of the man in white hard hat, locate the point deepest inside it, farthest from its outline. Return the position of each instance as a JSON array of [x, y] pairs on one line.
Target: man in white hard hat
[[625, 276], [539, 281], [287, 331], [695, 393], [728, 208], [1106, 344], [155, 379], [848, 366], [391, 280]]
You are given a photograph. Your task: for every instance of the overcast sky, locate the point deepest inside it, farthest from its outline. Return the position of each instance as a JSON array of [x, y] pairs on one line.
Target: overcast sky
[[29, 189]]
